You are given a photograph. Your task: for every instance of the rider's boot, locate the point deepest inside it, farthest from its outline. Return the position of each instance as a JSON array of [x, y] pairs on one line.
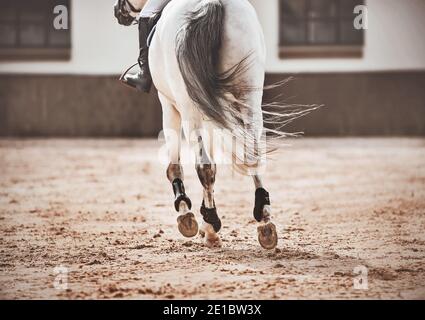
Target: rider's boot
[[142, 80]]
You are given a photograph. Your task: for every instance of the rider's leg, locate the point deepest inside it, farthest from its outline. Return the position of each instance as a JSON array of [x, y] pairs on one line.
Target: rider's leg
[[143, 80]]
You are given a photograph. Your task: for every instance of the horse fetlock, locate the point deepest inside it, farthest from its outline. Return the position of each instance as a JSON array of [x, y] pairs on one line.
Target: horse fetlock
[[182, 202], [267, 213], [210, 216], [179, 192], [262, 205]]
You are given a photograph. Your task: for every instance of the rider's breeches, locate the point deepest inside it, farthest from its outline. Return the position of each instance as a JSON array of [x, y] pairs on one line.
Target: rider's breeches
[[152, 7]]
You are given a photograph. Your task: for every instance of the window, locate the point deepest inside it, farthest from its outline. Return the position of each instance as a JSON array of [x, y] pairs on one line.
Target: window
[[319, 28], [27, 31]]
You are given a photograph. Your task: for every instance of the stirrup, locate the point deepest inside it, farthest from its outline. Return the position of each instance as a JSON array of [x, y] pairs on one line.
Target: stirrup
[[127, 71]]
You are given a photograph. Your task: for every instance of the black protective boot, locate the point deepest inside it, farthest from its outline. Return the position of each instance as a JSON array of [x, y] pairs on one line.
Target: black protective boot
[[142, 80]]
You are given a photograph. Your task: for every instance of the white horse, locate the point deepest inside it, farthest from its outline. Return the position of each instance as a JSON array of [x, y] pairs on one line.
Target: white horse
[[207, 60]]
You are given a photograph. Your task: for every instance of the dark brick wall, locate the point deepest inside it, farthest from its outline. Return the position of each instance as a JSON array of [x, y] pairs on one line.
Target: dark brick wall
[[366, 104], [358, 104], [75, 106]]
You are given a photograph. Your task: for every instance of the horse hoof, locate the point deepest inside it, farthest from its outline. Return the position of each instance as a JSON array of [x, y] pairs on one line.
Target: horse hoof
[[187, 224], [213, 242], [267, 236], [211, 238]]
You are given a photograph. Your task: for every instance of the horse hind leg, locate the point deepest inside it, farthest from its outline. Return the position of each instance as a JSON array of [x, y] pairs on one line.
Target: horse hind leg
[[267, 235], [187, 223], [206, 171], [212, 223]]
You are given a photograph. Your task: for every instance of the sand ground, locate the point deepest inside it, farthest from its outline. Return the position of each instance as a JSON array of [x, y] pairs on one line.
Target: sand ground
[[102, 211]]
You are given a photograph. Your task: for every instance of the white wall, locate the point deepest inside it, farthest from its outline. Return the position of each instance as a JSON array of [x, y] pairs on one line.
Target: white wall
[[99, 44], [394, 41]]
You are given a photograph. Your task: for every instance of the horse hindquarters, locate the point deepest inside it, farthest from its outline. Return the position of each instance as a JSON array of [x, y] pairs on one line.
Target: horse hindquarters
[[215, 77], [222, 67]]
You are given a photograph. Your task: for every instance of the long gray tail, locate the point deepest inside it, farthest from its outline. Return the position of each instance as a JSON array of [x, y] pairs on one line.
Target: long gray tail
[[221, 96], [198, 55]]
